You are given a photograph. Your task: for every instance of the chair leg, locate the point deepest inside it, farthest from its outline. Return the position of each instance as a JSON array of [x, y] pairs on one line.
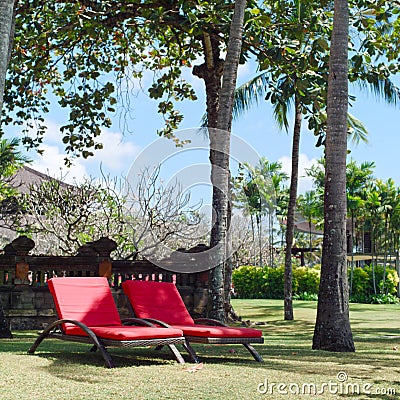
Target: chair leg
[[37, 342], [253, 352], [105, 354], [191, 352], [176, 353], [97, 344]]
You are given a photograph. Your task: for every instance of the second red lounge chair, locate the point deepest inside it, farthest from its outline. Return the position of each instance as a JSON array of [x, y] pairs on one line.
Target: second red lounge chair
[[161, 303]]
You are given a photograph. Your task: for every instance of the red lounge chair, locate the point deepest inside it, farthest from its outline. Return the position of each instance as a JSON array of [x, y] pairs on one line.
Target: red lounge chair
[[161, 303], [88, 314]]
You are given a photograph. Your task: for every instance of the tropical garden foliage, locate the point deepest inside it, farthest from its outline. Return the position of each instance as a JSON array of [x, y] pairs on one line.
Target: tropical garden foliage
[[252, 282], [372, 227], [89, 54]]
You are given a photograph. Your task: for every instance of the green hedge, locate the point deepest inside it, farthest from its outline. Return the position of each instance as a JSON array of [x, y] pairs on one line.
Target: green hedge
[[250, 282], [265, 282]]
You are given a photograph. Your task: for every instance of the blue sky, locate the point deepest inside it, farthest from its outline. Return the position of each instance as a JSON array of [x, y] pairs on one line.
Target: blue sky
[[257, 128]]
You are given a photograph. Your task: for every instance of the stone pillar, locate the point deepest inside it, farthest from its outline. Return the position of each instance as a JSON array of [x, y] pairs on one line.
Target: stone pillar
[[103, 247], [20, 248]]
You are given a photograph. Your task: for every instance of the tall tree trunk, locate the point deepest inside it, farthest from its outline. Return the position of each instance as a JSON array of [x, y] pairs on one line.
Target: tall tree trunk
[[219, 157], [6, 39], [332, 328], [288, 301]]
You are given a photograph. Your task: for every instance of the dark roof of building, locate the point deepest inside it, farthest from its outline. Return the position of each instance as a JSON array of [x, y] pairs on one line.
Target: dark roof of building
[[27, 176]]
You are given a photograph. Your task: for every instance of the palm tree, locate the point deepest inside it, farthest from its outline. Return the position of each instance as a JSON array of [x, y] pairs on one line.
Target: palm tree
[[389, 201], [356, 179], [261, 187], [300, 83], [271, 193], [332, 328], [292, 88], [284, 83]]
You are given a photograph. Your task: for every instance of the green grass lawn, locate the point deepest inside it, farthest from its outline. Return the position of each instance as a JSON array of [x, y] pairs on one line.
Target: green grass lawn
[[61, 370]]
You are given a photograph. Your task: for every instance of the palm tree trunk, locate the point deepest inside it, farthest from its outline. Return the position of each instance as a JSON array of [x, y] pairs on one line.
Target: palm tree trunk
[[332, 328], [219, 157], [254, 240], [288, 302], [374, 259], [385, 256], [258, 220], [398, 267], [271, 224]]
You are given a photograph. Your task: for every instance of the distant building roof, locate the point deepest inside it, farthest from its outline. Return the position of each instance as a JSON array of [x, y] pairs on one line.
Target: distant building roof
[[27, 176], [23, 179]]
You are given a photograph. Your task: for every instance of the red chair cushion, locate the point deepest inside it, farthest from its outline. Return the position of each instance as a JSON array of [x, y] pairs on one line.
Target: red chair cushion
[[219, 331], [162, 301], [88, 300], [127, 332], [159, 300]]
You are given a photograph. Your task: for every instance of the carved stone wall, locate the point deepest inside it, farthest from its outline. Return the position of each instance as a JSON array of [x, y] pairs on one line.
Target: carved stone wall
[[27, 302]]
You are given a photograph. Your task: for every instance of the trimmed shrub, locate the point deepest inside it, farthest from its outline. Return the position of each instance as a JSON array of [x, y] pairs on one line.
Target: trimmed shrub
[[306, 280], [360, 285], [274, 282], [265, 282], [248, 282], [391, 280]]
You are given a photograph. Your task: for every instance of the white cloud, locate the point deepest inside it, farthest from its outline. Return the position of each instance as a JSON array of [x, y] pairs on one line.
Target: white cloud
[[117, 155], [115, 158], [305, 183], [52, 163]]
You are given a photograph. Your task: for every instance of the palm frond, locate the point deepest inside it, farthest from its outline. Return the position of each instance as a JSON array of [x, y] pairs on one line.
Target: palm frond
[[357, 130], [246, 95], [250, 94], [382, 89], [281, 111]]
